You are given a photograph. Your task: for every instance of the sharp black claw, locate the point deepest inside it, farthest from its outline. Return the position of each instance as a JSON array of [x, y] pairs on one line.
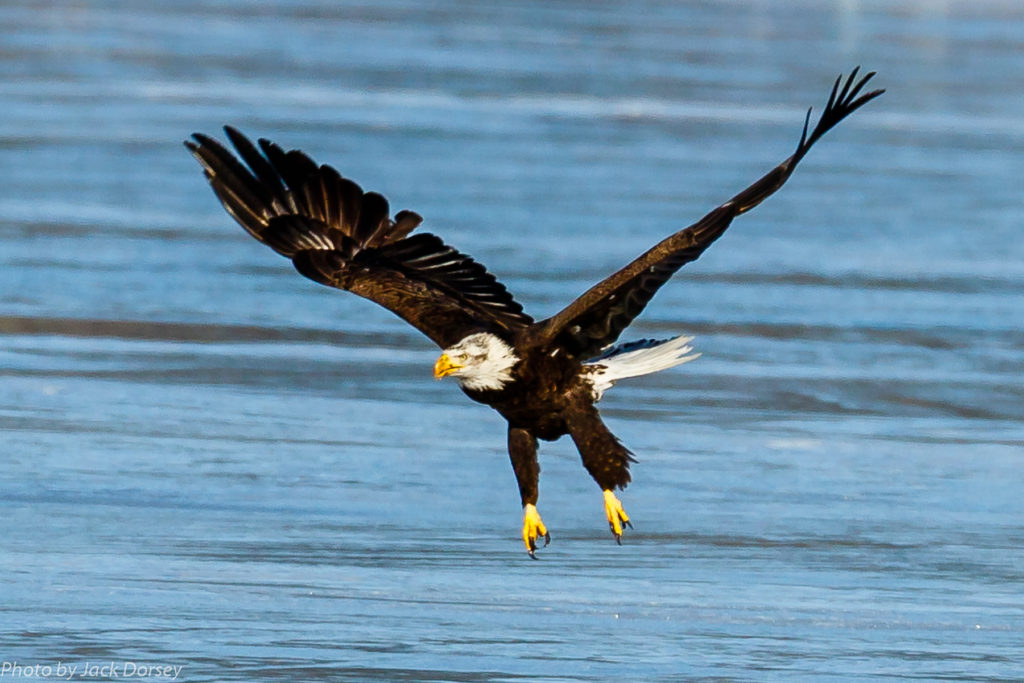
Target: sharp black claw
[[629, 524], [618, 538], [533, 545]]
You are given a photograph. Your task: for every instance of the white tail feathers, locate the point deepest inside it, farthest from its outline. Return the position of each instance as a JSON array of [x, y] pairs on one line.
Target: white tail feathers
[[636, 358]]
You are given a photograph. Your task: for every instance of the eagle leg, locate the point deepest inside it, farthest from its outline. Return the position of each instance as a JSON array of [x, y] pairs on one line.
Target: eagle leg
[[617, 517], [522, 451], [605, 459]]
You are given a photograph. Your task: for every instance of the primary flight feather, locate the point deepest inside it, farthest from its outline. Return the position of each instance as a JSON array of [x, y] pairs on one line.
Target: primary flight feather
[[543, 377]]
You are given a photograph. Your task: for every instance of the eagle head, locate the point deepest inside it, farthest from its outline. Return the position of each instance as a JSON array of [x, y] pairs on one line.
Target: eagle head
[[481, 361]]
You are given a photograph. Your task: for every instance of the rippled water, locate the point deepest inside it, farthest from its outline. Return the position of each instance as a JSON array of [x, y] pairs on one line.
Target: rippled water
[[208, 462]]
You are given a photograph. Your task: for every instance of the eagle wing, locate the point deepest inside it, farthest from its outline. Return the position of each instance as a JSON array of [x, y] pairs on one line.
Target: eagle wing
[[595, 319], [337, 235]]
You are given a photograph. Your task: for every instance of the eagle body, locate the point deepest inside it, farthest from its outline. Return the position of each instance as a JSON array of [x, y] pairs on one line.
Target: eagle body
[[544, 377], [532, 403], [540, 390]]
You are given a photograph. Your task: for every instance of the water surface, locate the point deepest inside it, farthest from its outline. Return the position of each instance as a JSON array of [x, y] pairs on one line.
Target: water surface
[[209, 462]]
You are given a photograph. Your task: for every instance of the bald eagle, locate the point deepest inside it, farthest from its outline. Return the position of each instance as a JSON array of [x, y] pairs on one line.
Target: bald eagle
[[545, 376]]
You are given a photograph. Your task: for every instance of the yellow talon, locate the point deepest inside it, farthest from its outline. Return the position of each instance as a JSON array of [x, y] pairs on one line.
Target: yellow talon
[[617, 517], [533, 528]]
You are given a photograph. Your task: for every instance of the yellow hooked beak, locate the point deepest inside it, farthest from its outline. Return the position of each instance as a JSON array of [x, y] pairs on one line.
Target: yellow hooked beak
[[444, 366]]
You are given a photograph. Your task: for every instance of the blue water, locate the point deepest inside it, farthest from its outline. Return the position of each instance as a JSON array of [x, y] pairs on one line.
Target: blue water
[[209, 462]]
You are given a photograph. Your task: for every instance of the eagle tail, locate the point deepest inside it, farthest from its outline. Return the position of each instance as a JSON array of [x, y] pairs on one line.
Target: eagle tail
[[637, 358]]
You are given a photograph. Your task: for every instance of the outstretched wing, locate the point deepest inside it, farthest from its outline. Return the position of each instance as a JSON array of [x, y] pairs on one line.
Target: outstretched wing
[[340, 236], [595, 320]]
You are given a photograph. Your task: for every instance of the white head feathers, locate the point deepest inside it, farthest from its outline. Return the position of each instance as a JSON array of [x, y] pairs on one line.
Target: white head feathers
[[481, 362]]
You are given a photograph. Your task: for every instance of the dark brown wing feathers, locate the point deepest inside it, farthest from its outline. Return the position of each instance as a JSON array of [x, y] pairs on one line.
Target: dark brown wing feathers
[[596, 318], [340, 236]]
